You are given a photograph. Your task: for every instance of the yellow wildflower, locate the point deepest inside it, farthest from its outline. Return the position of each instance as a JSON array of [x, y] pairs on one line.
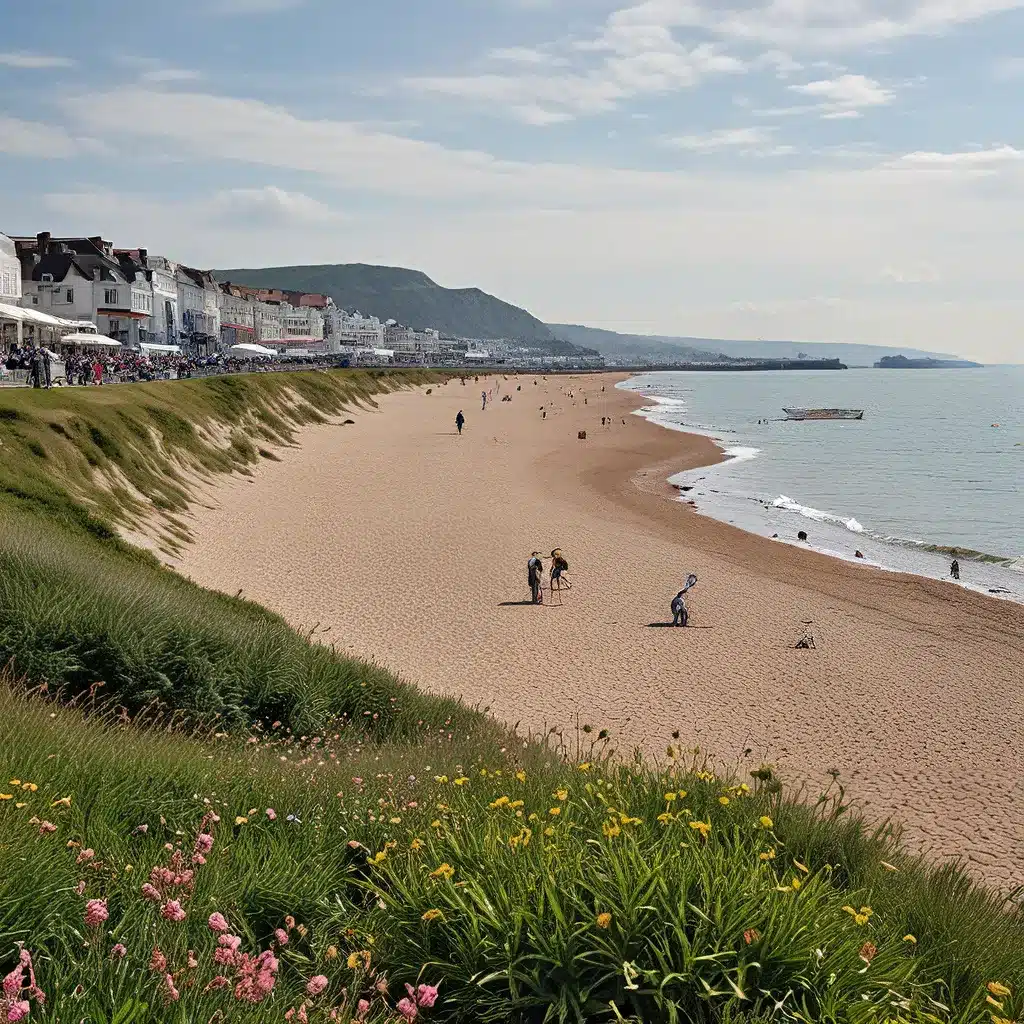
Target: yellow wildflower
[[670, 798], [910, 938], [665, 817], [128, 869], [625, 819], [500, 802], [516, 804], [432, 915], [604, 920], [30, 787], [483, 773], [443, 807], [521, 776], [555, 811], [6, 796], [611, 829], [461, 780], [395, 821], [724, 801], [379, 857], [585, 767], [682, 794], [240, 820], [994, 1002], [444, 871], [19, 806], [441, 778], [435, 823], [549, 831], [14, 782], [1002, 1020], [332, 953], [998, 989], [416, 844], [766, 822], [703, 827], [796, 883], [361, 958], [561, 794], [768, 854], [861, 916]]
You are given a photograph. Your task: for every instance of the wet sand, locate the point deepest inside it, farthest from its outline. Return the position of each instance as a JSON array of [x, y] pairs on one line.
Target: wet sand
[[411, 543]]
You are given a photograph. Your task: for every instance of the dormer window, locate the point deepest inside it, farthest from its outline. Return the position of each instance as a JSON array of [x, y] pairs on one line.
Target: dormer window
[[110, 296]]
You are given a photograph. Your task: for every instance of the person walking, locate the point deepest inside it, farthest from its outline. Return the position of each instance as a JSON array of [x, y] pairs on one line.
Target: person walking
[[954, 569], [460, 421], [36, 367], [483, 400], [47, 381], [535, 573]]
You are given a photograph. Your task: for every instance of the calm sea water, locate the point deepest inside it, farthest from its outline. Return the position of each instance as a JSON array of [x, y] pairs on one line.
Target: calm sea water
[[926, 470]]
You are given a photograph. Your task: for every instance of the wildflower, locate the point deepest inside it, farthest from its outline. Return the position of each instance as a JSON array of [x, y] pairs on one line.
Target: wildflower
[[500, 802], [682, 794], [31, 787], [445, 871], [204, 842], [432, 915], [549, 831], [45, 827], [379, 857], [768, 854], [85, 855], [911, 939], [724, 801], [80, 888], [19, 1010], [665, 817], [407, 1008], [6, 796], [555, 811], [861, 916], [170, 992], [395, 821], [795, 884], [157, 962], [766, 822], [561, 794], [751, 935], [241, 820], [435, 823], [96, 913], [15, 782], [332, 953], [604, 920], [316, 985], [670, 798], [362, 1009], [441, 778], [516, 804], [868, 952], [64, 801], [426, 995], [703, 827], [172, 910], [585, 767], [611, 829], [118, 951], [359, 959], [217, 923], [461, 781], [416, 845], [150, 892], [998, 989], [282, 936], [216, 983], [521, 776]]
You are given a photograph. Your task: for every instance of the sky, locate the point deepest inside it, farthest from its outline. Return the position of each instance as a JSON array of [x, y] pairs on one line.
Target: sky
[[815, 170]]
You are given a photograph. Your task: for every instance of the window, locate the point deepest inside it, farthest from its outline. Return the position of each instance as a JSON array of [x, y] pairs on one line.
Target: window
[[35, 300], [69, 295], [115, 326], [110, 296]]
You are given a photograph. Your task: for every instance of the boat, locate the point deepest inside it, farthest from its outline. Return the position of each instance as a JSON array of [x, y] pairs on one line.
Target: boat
[[824, 414]]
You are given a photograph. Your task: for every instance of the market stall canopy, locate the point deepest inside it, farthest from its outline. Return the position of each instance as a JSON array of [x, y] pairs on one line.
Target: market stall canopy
[[85, 338], [21, 314], [253, 349], [152, 347]]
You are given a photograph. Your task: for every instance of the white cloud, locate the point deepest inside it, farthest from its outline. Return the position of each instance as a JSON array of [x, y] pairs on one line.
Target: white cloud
[[162, 75], [846, 95], [921, 273], [969, 159], [525, 55], [253, 6], [757, 141], [269, 207], [1009, 69], [32, 139], [34, 61]]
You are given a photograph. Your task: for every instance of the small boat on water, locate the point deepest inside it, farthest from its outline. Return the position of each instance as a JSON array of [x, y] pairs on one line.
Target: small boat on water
[[824, 414]]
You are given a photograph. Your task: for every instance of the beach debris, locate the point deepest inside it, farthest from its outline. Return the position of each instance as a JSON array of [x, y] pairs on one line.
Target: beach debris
[[806, 641], [347, 423], [581, 435], [858, 554], [802, 535], [430, 391]]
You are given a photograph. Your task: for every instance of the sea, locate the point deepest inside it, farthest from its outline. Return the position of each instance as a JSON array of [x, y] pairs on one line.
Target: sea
[[935, 470]]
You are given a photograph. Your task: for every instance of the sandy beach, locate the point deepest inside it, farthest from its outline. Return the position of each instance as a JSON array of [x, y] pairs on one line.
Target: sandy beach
[[411, 542]]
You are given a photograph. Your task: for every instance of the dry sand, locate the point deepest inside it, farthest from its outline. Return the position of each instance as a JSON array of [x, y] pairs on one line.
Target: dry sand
[[411, 544]]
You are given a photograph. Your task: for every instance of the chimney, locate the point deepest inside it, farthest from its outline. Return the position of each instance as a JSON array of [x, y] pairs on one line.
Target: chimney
[[144, 257], [43, 243]]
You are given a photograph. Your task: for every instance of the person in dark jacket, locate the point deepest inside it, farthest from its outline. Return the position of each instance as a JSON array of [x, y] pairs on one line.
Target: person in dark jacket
[[460, 421], [36, 368], [535, 573]]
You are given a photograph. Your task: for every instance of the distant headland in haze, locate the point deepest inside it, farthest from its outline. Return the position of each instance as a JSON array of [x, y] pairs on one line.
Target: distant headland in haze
[[901, 362]]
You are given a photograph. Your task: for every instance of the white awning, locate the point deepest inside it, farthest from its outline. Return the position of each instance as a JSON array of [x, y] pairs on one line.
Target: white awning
[[253, 349], [81, 338], [24, 315], [150, 347], [386, 353]]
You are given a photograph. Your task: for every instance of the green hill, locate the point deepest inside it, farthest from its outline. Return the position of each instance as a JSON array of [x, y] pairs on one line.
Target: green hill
[[408, 296]]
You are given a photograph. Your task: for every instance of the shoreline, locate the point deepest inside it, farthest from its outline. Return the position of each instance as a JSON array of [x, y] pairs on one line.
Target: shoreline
[[410, 544]]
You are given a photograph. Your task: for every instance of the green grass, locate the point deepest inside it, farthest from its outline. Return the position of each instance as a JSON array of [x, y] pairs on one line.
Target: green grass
[[530, 880]]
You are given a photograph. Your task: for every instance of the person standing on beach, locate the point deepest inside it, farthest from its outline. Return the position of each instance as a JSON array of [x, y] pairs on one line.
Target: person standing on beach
[[954, 569], [535, 573], [483, 399], [460, 421]]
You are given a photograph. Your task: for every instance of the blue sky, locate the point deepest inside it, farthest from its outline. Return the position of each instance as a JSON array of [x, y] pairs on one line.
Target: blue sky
[[813, 169]]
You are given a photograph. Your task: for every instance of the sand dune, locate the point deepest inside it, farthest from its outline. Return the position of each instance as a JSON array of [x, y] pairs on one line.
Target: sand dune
[[411, 544]]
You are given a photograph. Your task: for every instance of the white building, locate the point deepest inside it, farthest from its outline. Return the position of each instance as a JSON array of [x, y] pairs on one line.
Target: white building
[[346, 330], [199, 309], [166, 318], [10, 272], [302, 329]]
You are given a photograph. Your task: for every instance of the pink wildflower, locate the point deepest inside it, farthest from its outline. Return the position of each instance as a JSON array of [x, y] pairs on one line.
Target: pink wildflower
[[231, 942], [289, 922], [171, 993], [46, 827], [84, 856], [172, 910], [18, 1011], [204, 843], [151, 893], [426, 995], [158, 962], [362, 1009], [96, 913], [218, 923], [271, 814], [316, 985], [118, 951], [80, 888], [217, 983], [407, 1008], [282, 936], [191, 960], [142, 828], [198, 858]]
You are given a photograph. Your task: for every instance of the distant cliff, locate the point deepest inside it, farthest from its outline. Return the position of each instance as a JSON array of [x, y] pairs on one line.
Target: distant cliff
[[903, 363], [411, 298]]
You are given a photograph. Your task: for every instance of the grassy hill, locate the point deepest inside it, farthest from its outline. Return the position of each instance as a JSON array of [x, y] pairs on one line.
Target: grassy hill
[[408, 296]]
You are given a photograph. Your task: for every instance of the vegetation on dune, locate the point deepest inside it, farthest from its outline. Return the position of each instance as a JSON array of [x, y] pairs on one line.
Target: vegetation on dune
[[207, 816]]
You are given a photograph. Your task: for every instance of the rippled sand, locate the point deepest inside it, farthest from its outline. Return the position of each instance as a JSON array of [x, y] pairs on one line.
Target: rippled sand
[[411, 543]]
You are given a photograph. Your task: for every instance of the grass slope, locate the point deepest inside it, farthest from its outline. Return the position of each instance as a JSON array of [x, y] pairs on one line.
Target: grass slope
[[355, 836]]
